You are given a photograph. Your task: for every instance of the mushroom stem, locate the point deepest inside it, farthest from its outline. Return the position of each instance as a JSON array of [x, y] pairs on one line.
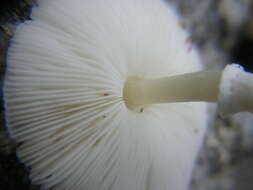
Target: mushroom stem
[[227, 87], [197, 86]]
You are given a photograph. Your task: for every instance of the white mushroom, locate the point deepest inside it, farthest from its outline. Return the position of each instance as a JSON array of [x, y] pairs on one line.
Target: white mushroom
[[83, 91]]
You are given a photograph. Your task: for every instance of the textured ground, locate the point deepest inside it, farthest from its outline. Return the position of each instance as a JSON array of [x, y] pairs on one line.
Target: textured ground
[[223, 32]]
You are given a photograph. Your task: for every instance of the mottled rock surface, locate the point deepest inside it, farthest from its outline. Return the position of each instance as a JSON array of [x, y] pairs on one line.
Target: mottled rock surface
[[222, 30]]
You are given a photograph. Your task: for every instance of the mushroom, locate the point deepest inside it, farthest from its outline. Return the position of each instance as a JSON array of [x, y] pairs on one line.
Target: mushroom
[[107, 95]]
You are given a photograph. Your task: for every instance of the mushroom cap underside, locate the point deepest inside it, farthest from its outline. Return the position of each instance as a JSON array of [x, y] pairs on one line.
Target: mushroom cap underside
[[63, 91]]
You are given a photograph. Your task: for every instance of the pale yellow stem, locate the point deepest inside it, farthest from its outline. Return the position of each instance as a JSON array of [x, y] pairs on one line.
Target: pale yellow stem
[[190, 87], [231, 88]]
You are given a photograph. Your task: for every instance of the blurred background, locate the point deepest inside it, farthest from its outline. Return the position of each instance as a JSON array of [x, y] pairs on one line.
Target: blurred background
[[222, 30]]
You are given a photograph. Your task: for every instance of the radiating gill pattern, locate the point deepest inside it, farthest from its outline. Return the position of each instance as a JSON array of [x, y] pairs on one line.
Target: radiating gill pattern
[[69, 111], [66, 71], [62, 106]]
